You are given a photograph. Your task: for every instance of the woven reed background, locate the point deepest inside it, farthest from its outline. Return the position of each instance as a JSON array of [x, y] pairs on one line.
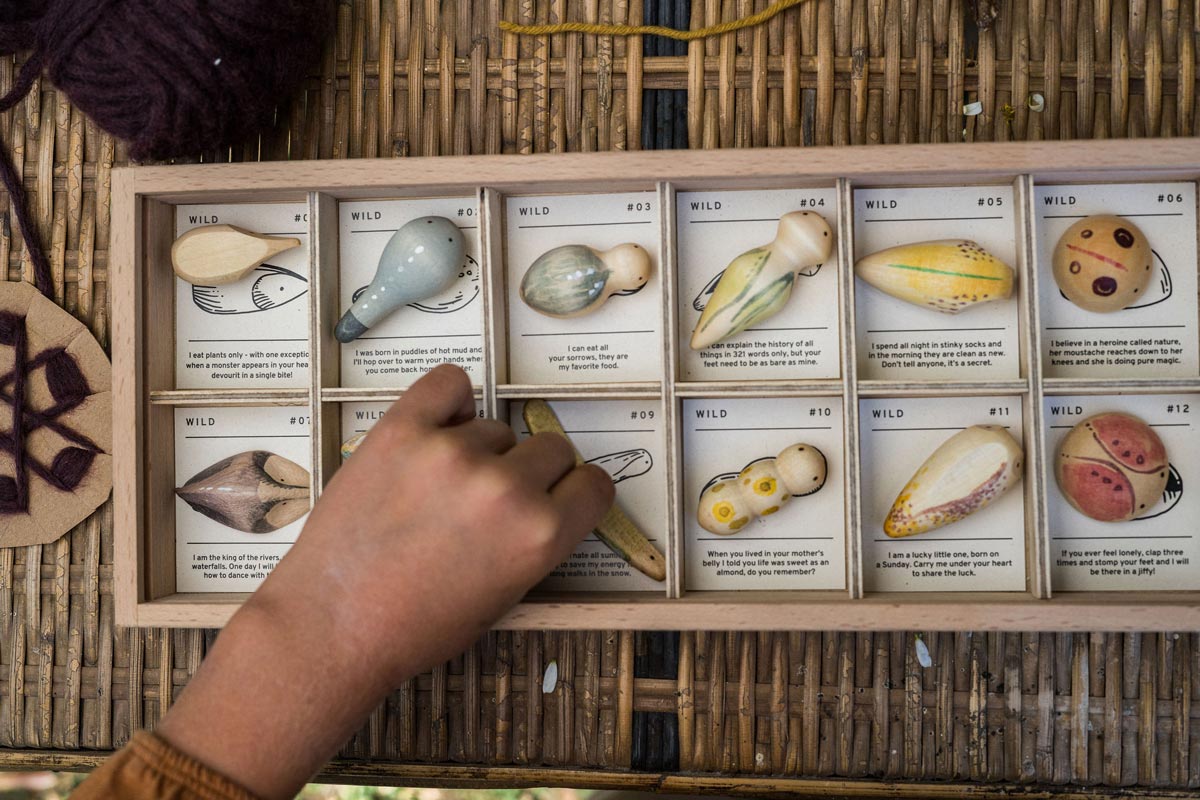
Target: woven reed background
[[425, 79]]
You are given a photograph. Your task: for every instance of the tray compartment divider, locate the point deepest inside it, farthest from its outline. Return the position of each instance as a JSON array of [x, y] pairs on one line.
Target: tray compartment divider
[[850, 453], [324, 350], [671, 411], [495, 308], [1037, 547]]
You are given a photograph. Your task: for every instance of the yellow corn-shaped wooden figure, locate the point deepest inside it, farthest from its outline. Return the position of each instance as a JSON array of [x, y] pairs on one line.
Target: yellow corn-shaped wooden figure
[[761, 488], [948, 275], [758, 283], [966, 473]]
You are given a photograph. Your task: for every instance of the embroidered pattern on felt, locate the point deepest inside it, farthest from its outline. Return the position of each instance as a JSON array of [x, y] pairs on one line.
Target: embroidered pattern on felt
[[68, 389]]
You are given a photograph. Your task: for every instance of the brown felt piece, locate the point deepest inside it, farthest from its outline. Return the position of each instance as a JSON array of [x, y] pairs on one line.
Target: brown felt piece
[[56, 431]]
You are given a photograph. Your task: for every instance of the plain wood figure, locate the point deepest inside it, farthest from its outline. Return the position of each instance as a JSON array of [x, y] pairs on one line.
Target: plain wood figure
[[967, 472], [1112, 467], [1103, 263], [254, 492], [214, 255], [575, 279], [949, 275], [758, 283], [421, 260], [761, 488]]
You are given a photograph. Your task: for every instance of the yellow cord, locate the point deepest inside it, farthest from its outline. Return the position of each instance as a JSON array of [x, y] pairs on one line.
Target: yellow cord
[[657, 30]]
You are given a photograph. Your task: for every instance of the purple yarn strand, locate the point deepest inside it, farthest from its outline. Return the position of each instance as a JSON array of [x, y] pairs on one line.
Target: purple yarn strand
[[42, 276], [194, 80]]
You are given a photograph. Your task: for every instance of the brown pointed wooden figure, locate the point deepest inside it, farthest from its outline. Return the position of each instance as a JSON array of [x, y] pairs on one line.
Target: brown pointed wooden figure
[[213, 255], [254, 492]]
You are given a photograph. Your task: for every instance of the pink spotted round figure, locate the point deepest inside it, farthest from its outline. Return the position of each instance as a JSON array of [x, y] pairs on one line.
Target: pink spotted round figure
[[1112, 467], [1103, 263]]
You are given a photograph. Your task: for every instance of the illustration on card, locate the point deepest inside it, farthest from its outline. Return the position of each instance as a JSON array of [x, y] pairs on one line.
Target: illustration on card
[[253, 492], [621, 466], [270, 288], [460, 294], [626, 464]]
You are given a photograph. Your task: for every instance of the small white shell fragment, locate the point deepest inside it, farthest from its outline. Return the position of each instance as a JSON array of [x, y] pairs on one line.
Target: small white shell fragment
[[923, 657], [973, 109], [550, 678], [1036, 101]]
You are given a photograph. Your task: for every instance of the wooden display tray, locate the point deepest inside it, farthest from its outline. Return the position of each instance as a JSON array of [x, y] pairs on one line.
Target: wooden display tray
[[143, 285]]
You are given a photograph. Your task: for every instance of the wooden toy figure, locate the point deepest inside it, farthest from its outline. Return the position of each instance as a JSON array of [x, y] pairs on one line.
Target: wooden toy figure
[[616, 529], [762, 487], [948, 275], [214, 255], [254, 492], [1112, 467], [758, 283], [1103, 263], [966, 473], [421, 260], [574, 279]]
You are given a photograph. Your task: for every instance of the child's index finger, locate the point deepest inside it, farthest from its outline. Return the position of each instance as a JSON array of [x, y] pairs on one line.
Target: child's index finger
[[443, 396]]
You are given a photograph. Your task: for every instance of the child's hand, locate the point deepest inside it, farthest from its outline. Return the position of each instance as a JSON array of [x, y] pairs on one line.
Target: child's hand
[[439, 524], [436, 526]]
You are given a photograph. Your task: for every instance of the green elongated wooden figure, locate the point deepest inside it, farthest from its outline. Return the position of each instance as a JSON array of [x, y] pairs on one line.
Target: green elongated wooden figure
[[759, 282]]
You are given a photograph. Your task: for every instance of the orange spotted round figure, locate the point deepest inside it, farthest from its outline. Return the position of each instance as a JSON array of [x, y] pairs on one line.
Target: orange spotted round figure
[[1112, 467], [1103, 263]]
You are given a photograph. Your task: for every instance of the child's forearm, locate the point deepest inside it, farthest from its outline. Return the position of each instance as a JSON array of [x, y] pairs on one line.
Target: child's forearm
[[437, 525], [279, 693]]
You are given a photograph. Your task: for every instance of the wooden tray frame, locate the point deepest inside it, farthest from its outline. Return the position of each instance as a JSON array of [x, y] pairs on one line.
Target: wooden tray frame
[[142, 300]]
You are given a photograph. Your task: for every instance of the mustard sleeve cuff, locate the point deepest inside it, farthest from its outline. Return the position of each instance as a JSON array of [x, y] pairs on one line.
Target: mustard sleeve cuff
[[149, 768]]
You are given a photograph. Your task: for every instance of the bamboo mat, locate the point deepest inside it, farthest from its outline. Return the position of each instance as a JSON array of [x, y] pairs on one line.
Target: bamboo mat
[[775, 712]]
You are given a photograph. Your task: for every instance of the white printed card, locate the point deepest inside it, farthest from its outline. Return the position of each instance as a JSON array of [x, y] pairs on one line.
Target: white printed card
[[252, 333], [210, 555], [901, 341], [982, 552], [447, 328]]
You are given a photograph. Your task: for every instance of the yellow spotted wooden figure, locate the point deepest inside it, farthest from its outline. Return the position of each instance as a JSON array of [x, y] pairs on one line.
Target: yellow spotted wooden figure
[[762, 487], [966, 473], [950, 275]]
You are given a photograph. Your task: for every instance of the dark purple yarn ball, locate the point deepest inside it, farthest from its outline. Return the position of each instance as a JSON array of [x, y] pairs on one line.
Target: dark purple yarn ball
[[172, 77]]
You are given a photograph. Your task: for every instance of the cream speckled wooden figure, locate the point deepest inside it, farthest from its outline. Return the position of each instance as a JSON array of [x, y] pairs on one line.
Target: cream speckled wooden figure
[[759, 282], [761, 489], [574, 279], [1103, 263], [948, 275], [1112, 467], [966, 473], [214, 255]]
